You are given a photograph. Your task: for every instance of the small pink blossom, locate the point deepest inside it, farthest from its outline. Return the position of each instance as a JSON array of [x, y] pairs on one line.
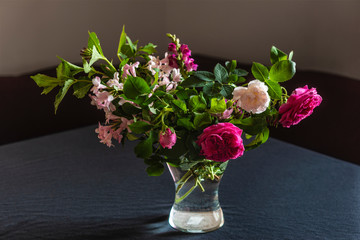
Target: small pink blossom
[[122, 101], [109, 116], [164, 81], [171, 86], [153, 63], [227, 113], [125, 124], [97, 85], [105, 134], [103, 100], [176, 76], [117, 135], [167, 139], [130, 68]]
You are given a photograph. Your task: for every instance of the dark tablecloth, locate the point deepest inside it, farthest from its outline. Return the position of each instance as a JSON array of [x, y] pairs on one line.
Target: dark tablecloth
[[69, 186]]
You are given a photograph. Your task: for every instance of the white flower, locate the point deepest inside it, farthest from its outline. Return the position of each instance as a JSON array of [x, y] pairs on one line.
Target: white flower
[[254, 98]]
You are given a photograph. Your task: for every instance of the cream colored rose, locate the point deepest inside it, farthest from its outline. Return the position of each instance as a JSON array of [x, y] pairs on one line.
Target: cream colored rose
[[254, 98]]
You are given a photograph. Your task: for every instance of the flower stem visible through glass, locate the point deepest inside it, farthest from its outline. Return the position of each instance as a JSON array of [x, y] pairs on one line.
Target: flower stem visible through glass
[[207, 170]]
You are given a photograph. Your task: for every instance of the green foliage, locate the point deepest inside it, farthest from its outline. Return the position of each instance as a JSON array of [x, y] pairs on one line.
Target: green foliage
[[199, 100], [197, 103], [202, 120], [274, 91], [135, 86], [140, 127], [220, 73], [259, 71], [144, 149], [46, 82], [81, 88], [217, 105], [61, 94], [282, 71], [276, 55]]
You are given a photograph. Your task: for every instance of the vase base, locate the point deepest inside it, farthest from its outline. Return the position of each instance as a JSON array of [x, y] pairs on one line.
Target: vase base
[[196, 222]]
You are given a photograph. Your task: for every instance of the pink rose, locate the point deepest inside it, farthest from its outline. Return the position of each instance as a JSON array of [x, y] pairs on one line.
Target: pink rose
[[167, 139], [299, 105], [221, 142]]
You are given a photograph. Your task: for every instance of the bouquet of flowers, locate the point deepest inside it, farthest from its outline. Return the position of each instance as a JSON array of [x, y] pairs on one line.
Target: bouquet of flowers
[[191, 119]]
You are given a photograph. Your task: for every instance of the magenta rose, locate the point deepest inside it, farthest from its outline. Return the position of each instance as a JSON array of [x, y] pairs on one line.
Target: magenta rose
[[299, 105], [167, 139], [221, 142], [172, 61], [172, 48]]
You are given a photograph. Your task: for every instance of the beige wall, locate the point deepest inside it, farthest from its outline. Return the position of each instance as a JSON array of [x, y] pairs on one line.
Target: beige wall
[[325, 35]]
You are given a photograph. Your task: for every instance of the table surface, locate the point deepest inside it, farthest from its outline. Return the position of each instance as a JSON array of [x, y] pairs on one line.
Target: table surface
[[69, 186]]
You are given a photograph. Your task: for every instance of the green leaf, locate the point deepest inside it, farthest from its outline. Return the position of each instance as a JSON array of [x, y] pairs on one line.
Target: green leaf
[[86, 66], [135, 86], [74, 69], [149, 48], [122, 41], [132, 45], [202, 119], [204, 75], [217, 105], [186, 123], [259, 139], [212, 89], [63, 71], [140, 127], [274, 91], [62, 92], [185, 94], [291, 54], [95, 56], [233, 78], [81, 88], [130, 109], [180, 104], [193, 148], [251, 125], [221, 74], [155, 169], [240, 72], [93, 41], [197, 103], [259, 71], [276, 55], [231, 65], [144, 149], [131, 137], [282, 71], [46, 82], [226, 91], [126, 51], [193, 81]]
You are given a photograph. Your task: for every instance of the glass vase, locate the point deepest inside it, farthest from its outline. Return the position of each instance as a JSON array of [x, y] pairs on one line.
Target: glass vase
[[196, 208]]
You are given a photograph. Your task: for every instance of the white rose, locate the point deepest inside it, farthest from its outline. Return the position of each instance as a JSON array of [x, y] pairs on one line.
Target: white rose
[[254, 98]]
